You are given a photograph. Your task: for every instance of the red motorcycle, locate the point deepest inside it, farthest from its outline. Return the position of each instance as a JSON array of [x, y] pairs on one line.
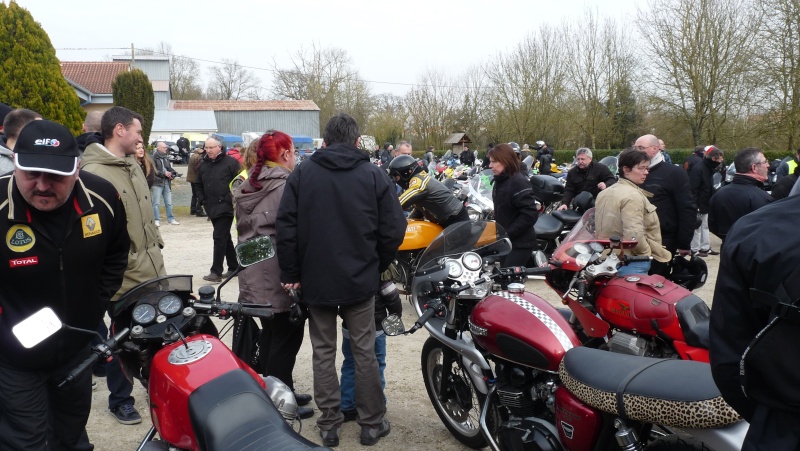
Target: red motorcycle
[[201, 396], [504, 368]]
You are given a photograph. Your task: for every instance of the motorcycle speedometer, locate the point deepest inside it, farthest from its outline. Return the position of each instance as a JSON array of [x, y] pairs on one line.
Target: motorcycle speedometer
[[170, 304], [144, 313], [582, 248], [455, 269], [472, 261], [596, 247]]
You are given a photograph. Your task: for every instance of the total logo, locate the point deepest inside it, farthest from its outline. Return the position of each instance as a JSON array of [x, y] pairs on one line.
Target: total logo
[[47, 142]]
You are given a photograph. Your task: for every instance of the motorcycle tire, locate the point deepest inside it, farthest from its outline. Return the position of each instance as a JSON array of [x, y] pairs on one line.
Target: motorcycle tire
[[676, 442], [459, 415]]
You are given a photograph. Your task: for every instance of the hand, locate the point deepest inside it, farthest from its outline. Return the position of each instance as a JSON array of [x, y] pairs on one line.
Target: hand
[[167, 174], [601, 186], [289, 286], [562, 207], [684, 252]]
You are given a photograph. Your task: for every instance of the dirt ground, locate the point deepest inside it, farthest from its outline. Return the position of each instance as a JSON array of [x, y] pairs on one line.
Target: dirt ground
[[415, 425]]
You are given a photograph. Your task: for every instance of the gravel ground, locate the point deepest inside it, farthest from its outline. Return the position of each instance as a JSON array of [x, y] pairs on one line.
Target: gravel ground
[[415, 425]]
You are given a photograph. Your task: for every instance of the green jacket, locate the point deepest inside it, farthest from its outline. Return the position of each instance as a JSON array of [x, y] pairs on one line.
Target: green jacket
[[144, 257]]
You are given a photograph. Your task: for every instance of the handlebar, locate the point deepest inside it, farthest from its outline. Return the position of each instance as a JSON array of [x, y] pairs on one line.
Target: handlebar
[[104, 349], [636, 258], [227, 310]]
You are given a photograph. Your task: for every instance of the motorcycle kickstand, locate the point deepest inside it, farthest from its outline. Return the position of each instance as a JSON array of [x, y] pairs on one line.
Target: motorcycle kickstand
[[147, 438]]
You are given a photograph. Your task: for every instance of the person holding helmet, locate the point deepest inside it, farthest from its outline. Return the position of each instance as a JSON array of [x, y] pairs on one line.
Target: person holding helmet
[[429, 197], [587, 176]]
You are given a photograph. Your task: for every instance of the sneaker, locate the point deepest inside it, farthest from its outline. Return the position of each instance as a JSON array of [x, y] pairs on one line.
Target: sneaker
[[174, 222], [330, 437], [302, 399], [158, 223], [350, 415], [712, 252], [126, 414], [305, 413], [213, 277], [371, 434]]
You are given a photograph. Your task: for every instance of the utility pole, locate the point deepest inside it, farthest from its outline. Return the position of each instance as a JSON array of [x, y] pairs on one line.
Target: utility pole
[[130, 67]]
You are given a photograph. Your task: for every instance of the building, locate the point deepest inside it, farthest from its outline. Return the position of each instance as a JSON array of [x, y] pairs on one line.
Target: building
[[295, 117]]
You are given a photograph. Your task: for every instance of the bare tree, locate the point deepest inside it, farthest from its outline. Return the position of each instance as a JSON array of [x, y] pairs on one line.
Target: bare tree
[[184, 81], [432, 106], [231, 81], [387, 123], [701, 54]]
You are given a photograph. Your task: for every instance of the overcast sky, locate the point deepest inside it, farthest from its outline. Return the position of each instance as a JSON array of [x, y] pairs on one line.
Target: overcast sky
[[390, 42]]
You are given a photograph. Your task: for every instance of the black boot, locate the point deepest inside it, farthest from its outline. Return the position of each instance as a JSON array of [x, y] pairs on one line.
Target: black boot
[[200, 213]]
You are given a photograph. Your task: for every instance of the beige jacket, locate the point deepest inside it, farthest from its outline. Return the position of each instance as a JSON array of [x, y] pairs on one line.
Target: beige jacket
[[623, 209]]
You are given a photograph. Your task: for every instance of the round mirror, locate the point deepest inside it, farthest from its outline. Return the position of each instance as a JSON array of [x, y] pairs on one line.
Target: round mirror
[[392, 325]]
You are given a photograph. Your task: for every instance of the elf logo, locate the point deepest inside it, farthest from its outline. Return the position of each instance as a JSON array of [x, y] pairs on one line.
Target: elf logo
[[47, 142], [26, 261]]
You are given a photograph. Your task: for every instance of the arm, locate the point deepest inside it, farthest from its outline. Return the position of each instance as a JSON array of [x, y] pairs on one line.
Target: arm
[[606, 177], [286, 226], [414, 193], [391, 224], [632, 212], [525, 204], [569, 190]]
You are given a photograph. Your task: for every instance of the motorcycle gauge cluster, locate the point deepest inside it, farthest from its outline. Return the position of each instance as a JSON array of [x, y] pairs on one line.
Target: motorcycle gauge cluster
[[472, 261], [455, 269], [149, 311], [170, 304], [144, 313]]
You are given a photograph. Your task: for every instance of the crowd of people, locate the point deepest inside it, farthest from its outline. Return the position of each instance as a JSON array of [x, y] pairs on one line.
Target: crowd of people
[[91, 205]]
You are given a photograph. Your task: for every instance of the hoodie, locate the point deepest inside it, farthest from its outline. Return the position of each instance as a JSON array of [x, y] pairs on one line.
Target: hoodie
[[6, 157]]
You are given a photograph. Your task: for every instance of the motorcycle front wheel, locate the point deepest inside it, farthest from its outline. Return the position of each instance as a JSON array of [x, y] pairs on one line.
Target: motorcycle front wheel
[[459, 407]]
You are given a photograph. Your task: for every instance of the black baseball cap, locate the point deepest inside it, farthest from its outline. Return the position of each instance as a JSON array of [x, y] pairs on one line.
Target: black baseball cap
[[4, 109], [45, 146]]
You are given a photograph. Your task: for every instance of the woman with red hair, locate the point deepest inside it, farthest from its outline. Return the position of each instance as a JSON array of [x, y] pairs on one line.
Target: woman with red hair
[[257, 201]]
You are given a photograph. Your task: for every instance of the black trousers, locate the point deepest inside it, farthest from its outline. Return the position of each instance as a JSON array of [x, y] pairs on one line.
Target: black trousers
[[517, 257], [119, 386], [194, 204], [280, 342], [223, 245], [30, 404]]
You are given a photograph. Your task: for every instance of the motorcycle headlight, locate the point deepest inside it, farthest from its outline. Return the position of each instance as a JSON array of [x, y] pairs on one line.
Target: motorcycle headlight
[[474, 211]]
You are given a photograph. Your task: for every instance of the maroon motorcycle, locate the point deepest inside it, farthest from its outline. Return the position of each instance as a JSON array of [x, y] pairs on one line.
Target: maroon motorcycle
[[504, 368]]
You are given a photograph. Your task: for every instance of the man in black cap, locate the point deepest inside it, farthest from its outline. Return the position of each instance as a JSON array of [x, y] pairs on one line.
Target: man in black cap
[[66, 246]]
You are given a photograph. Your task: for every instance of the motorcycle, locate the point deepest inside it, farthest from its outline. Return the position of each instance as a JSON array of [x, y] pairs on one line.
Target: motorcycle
[[201, 396], [505, 368], [418, 236]]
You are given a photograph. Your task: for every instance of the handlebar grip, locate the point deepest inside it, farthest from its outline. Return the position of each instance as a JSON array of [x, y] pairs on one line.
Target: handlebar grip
[[257, 312], [538, 271], [426, 316], [79, 369], [637, 258]]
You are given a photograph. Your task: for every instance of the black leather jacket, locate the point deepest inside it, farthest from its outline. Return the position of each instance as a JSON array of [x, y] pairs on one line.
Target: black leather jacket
[[430, 197], [580, 180]]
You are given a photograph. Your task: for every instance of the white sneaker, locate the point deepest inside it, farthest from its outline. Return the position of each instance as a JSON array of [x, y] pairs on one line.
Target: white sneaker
[[174, 222], [158, 223]]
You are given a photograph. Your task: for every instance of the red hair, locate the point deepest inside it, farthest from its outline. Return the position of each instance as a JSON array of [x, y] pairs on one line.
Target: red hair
[[269, 148]]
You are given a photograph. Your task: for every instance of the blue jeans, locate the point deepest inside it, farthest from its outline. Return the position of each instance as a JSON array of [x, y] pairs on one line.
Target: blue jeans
[[634, 268], [166, 192], [348, 385]]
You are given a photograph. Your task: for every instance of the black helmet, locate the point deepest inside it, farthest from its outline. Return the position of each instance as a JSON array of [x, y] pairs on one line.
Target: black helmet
[[690, 273], [515, 147], [404, 166]]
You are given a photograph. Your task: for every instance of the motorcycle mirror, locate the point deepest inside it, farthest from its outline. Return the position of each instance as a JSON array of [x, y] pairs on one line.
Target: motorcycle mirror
[[392, 325], [36, 328], [539, 258], [254, 251]]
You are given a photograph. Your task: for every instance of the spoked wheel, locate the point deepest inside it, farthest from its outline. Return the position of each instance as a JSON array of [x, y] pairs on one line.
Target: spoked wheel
[[459, 406]]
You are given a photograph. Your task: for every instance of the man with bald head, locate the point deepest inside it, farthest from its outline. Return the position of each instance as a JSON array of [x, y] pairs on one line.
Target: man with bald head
[[672, 197], [91, 130]]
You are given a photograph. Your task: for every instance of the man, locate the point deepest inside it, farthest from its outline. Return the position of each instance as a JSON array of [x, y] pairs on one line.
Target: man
[[213, 189], [66, 248], [236, 152], [162, 187], [743, 195], [183, 149], [672, 198], [585, 176], [429, 156], [387, 153], [466, 156], [543, 149], [752, 261], [91, 130], [121, 131], [340, 275], [195, 208], [788, 167], [694, 158], [403, 148], [428, 196], [13, 123], [702, 183], [663, 149]]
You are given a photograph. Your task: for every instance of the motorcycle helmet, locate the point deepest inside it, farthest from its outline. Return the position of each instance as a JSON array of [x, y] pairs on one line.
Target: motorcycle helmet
[[690, 273], [402, 168], [539, 144]]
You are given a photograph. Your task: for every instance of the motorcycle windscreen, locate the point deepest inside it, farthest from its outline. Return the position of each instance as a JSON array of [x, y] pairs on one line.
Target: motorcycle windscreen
[[486, 238], [182, 283]]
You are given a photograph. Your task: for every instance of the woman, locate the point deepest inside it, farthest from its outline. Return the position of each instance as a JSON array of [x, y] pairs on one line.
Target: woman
[[514, 205], [623, 210], [257, 200], [146, 163]]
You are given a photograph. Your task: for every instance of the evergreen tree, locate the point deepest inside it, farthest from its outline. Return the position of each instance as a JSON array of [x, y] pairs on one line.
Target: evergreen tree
[[30, 74], [134, 91]]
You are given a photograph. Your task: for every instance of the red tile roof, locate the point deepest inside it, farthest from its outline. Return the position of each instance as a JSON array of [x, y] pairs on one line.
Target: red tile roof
[[245, 105], [94, 76]]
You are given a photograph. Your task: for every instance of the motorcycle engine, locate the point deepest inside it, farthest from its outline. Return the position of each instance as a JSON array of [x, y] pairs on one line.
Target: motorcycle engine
[[624, 343]]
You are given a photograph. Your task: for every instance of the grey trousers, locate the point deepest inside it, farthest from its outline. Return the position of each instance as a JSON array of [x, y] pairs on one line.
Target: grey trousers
[[323, 331]]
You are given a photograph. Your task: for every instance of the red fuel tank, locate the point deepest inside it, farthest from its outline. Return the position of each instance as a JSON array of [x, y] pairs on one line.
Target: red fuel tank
[[633, 302], [524, 329], [578, 424]]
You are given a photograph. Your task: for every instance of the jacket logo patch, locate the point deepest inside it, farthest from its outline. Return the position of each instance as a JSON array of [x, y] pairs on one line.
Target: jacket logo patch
[[20, 238], [91, 225], [414, 183], [27, 261]]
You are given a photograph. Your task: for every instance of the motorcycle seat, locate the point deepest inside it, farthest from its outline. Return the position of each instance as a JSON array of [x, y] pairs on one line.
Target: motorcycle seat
[[547, 227], [568, 217], [695, 319], [669, 392], [233, 412]]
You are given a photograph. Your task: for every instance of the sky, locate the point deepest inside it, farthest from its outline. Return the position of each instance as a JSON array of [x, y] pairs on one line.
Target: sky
[[391, 43]]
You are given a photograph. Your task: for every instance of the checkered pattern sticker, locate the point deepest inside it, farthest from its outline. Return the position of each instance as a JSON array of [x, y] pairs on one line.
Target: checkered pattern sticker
[[541, 316]]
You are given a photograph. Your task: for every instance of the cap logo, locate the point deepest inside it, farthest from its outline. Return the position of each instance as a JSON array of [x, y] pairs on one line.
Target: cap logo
[[20, 238], [47, 142]]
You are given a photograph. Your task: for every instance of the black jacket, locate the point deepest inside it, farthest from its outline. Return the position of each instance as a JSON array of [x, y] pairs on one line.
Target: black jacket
[[467, 157], [692, 161], [733, 201], [76, 277], [675, 207], [162, 165], [88, 138], [580, 180], [515, 209], [783, 187], [751, 258], [431, 198], [213, 183], [700, 179], [338, 227]]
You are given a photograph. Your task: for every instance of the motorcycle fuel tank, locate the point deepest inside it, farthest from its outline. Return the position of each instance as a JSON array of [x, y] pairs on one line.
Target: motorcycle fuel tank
[[636, 302], [178, 370], [419, 235], [578, 424], [522, 328]]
